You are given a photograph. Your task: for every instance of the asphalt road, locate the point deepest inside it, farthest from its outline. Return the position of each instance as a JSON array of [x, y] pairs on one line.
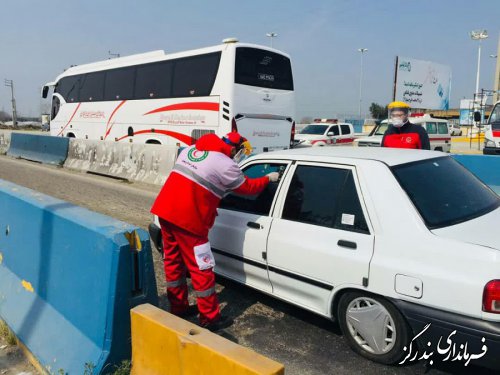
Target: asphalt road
[[304, 342]]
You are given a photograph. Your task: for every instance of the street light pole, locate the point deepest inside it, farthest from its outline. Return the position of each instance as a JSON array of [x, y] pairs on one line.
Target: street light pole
[[271, 36], [362, 50], [10, 83], [478, 35]]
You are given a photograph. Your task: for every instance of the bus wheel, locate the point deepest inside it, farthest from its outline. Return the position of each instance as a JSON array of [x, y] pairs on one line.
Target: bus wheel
[[70, 135]]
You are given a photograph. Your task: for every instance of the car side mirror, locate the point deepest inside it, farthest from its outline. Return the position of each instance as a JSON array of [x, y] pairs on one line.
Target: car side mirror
[[477, 116], [45, 91], [330, 134]]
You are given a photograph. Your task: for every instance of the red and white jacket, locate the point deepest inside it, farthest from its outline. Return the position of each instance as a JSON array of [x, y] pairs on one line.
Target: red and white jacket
[[202, 175]]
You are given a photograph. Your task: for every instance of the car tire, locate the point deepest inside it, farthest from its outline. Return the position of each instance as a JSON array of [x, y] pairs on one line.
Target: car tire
[[377, 318]]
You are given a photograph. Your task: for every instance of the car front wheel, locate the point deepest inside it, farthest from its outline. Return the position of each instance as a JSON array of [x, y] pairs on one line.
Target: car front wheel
[[373, 327]]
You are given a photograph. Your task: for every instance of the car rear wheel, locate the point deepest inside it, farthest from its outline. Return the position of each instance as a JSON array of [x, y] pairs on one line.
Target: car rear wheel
[[373, 327]]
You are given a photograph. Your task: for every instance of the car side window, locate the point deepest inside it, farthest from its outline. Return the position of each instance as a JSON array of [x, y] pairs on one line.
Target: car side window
[[255, 204], [431, 127], [334, 129], [345, 129], [326, 197], [442, 128], [350, 214], [314, 195]]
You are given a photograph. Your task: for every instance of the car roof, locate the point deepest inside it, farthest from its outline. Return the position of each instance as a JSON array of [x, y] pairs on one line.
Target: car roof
[[389, 156]]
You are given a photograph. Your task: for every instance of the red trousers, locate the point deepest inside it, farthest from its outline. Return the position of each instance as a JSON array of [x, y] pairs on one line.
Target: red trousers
[[178, 254]]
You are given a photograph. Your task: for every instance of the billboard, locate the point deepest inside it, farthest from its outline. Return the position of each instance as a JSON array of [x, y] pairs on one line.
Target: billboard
[[422, 84]]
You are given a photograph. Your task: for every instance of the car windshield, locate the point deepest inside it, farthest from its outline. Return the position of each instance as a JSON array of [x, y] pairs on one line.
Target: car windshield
[[381, 129], [444, 192], [314, 129], [495, 117]]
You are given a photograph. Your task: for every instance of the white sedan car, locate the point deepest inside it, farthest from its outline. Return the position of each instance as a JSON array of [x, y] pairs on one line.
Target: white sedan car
[[373, 239]]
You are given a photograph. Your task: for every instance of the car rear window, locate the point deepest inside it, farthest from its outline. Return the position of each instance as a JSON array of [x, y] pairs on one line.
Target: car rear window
[[444, 192]]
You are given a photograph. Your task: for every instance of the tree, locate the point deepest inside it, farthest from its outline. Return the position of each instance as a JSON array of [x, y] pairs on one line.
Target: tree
[[378, 112]]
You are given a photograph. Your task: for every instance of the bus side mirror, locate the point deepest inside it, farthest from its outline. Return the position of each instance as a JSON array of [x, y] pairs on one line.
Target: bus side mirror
[[45, 91], [477, 116]]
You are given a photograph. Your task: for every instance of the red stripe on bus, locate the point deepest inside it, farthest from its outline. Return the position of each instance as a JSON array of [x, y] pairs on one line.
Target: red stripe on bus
[[110, 117], [496, 133], [204, 106], [71, 118], [181, 137]]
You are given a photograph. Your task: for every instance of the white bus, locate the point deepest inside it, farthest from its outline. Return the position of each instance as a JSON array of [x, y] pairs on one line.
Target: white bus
[[175, 98]]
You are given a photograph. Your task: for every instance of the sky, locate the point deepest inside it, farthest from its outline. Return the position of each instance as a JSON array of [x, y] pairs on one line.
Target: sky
[[39, 39]]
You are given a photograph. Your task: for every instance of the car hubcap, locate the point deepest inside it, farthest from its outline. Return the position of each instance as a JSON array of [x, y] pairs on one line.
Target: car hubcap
[[371, 325]]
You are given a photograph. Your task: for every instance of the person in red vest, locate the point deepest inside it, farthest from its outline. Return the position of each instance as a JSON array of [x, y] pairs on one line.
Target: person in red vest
[[401, 133], [187, 206]]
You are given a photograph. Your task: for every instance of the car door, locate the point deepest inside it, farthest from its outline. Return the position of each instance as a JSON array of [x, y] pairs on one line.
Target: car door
[[334, 132], [320, 238], [239, 235], [347, 136]]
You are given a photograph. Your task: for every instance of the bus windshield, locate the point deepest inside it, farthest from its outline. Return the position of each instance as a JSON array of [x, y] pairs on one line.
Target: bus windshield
[[261, 68]]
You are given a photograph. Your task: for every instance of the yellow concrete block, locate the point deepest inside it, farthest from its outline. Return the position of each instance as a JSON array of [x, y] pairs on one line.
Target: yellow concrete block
[[163, 343]]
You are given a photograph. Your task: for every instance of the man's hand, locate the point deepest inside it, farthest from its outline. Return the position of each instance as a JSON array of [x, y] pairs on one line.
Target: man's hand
[[273, 176]]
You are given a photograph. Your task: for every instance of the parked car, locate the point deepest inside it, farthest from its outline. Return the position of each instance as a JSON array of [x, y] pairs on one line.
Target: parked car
[[454, 129], [437, 130], [492, 132], [324, 134], [373, 239]]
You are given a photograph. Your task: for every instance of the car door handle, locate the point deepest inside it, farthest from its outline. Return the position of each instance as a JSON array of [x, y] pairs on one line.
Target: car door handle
[[254, 225], [348, 244]]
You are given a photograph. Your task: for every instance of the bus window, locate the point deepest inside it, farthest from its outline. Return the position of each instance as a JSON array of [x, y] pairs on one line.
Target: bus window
[[92, 88], [261, 68], [55, 107], [119, 84], [154, 81], [195, 76], [68, 88]]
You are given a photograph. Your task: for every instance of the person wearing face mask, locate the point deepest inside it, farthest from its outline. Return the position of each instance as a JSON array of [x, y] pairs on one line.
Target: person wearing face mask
[[187, 206], [401, 133]]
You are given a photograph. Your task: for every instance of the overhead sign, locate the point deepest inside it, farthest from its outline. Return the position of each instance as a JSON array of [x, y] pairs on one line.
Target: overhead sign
[[422, 84]]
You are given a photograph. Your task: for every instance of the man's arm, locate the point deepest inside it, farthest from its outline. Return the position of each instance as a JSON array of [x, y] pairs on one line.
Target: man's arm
[[424, 140], [252, 186]]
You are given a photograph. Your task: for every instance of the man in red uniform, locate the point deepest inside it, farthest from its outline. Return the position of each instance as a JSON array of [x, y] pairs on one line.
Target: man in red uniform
[[401, 133], [187, 206]]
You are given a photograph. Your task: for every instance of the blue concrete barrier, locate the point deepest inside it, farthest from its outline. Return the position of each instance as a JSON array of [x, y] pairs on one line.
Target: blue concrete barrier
[[41, 148], [68, 279], [486, 167]]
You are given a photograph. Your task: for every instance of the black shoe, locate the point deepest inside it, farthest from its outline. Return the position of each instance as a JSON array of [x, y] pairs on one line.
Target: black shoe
[[191, 311], [223, 323]]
